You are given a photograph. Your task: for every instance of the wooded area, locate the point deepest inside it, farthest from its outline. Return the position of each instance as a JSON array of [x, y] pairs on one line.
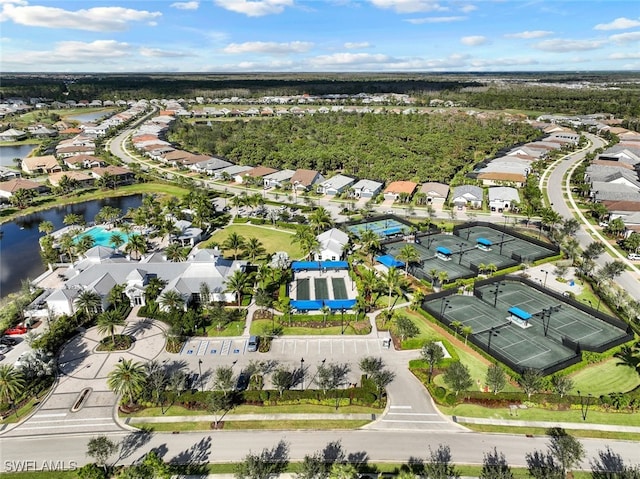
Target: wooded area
[[380, 147]]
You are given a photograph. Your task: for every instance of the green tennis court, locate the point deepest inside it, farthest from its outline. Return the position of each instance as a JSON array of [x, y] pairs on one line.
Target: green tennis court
[[321, 290], [302, 289], [339, 288], [504, 243], [546, 340]]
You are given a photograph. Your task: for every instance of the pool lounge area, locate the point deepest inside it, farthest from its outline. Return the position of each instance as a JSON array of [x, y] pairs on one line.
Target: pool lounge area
[[102, 236]]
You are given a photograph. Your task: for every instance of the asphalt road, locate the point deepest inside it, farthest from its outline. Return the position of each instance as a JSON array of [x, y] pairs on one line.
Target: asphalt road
[[556, 189], [374, 446]]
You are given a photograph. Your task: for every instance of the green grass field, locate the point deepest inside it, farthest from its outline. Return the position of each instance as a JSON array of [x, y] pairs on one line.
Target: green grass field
[[261, 326], [271, 239], [605, 378]]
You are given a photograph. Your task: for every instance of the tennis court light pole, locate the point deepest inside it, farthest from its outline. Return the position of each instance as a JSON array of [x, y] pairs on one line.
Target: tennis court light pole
[[585, 402], [546, 273]]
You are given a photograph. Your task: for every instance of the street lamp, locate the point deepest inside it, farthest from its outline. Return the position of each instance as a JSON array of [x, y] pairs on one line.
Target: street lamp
[[496, 291], [301, 374], [546, 273], [504, 227], [342, 321], [492, 333], [585, 402], [460, 254], [443, 305], [200, 371]]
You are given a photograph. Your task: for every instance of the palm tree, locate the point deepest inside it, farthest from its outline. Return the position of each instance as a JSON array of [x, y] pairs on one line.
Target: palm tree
[[442, 277], [175, 252], [466, 330], [11, 383], [433, 275], [492, 268], [172, 300], [233, 242], [153, 288], [89, 301], [307, 240], [73, 219], [370, 243], [325, 310], [46, 227], [127, 379], [136, 244], [456, 325], [392, 281], [107, 322], [629, 357], [84, 244], [369, 282], [417, 299], [67, 244], [116, 240], [116, 295], [409, 254], [253, 248], [320, 220], [238, 283]]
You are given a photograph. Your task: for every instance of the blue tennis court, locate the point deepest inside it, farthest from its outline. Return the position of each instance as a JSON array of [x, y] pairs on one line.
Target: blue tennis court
[[383, 228]]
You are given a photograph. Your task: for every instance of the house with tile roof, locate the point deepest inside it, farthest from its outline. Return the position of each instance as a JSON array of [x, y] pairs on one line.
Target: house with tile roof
[[122, 176], [230, 172], [304, 179], [82, 178], [334, 185], [83, 161], [10, 187], [9, 174], [398, 189], [365, 189], [34, 165], [503, 198], [253, 174], [12, 135], [467, 195], [435, 193]]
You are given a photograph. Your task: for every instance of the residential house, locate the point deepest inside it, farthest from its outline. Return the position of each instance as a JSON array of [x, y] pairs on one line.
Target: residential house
[[43, 132], [366, 189], [621, 155], [334, 185], [304, 179], [9, 174], [176, 156], [82, 179], [40, 164], [332, 244], [230, 171], [83, 161], [503, 198], [603, 192], [10, 187], [13, 135], [399, 189], [120, 175], [467, 195], [253, 174], [435, 193], [186, 234], [210, 165], [505, 169], [278, 179]]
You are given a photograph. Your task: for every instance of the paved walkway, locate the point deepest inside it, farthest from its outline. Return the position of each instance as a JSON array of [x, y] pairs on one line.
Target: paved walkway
[[547, 424]]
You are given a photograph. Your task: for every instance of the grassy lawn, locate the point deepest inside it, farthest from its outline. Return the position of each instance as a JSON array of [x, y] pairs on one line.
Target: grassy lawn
[[260, 326], [427, 332], [540, 431], [234, 328], [252, 425], [536, 414], [252, 409], [23, 411], [272, 240], [605, 378]]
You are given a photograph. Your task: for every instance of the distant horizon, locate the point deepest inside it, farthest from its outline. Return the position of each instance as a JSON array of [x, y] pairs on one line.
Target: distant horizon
[[304, 36]]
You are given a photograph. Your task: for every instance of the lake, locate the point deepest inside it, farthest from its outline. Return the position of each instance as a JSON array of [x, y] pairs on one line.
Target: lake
[[91, 117], [19, 243], [9, 152]]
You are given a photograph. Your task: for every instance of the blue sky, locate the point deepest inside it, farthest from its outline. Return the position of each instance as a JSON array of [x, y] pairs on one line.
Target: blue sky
[[318, 35]]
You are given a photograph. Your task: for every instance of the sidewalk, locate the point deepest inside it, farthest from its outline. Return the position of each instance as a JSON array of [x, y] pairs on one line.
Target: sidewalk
[[586, 426], [253, 417]]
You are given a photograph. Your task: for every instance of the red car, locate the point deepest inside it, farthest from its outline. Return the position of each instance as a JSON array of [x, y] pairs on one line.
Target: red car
[[16, 330]]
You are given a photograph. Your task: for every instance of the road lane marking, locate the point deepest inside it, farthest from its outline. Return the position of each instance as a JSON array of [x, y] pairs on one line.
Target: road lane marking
[[415, 422], [400, 407], [71, 420], [414, 413], [61, 414], [69, 425]]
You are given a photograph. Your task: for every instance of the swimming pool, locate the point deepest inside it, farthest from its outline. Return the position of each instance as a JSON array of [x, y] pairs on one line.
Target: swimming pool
[[101, 236]]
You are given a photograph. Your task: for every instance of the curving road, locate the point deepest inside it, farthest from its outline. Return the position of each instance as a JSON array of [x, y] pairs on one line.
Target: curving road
[[559, 193]]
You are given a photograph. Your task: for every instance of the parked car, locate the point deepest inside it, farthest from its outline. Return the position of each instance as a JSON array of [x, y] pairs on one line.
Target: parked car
[[9, 341], [4, 348], [603, 224], [1, 357], [16, 330], [633, 257], [252, 345]]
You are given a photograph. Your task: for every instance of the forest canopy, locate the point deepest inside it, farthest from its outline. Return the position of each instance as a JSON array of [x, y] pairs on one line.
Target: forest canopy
[[417, 147]]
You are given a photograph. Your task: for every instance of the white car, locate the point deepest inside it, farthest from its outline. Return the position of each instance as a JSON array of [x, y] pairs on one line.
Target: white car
[[603, 224], [634, 257]]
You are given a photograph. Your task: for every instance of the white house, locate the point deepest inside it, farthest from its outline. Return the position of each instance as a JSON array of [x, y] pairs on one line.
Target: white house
[[334, 185], [466, 195], [502, 198], [332, 243], [366, 189], [277, 179]]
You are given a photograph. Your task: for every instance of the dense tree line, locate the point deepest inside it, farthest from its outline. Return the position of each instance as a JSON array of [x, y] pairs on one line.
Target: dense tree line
[[381, 147]]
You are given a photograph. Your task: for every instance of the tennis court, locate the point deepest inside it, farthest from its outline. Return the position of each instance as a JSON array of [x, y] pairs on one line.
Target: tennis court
[[302, 289], [383, 228], [546, 340], [339, 288], [320, 288], [504, 243]]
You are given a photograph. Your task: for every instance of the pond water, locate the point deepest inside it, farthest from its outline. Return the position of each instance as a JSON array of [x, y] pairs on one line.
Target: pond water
[[91, 117], [19, 246], [9, 152]]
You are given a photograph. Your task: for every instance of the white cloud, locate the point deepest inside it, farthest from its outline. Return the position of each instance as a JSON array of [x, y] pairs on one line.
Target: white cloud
[[268, 48], [473, 40], [502, 62], [254, 8], [356, 45], [625, 37], [625, 56], [97, 19], [13, 2], [343, 59], [158, 53], [468, 8], [618, 24], [76, 53], [420, 21], [409, 6], [560, 45], [186, 5], [529, 34]]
